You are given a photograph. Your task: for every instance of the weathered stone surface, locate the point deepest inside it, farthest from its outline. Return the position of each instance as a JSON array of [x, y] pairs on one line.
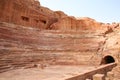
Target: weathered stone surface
[[60, 14], [27, 13], [77, 24], [110, 75], [99, 77], [54, 47], [31, 34], [65, 24], [30, 13]]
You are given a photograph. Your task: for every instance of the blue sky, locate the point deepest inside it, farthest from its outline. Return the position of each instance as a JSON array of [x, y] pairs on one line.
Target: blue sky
[[107, 11]]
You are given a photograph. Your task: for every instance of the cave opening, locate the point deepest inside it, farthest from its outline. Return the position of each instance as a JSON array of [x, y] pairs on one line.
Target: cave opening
[[107, 60], [25, 18], [44, 21]]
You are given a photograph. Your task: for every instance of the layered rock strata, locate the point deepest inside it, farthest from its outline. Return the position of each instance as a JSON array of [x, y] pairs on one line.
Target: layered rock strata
[[31, 34]]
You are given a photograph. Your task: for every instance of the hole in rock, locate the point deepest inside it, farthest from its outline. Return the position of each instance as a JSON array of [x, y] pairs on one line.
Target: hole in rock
[[25, 18], [43, 21], [107, 60]]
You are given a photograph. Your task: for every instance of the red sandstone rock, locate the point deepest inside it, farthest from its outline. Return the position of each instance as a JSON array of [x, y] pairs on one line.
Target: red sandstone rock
[[65, 23], [30, 13], [70, 23], [60, 14], [26, 12], [62, 39]]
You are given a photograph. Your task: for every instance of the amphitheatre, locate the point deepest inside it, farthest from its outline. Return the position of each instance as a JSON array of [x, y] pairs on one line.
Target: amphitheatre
[[37, 43]]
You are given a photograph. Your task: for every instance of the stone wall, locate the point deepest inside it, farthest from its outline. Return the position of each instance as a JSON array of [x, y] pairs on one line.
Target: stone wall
[[90, 75]]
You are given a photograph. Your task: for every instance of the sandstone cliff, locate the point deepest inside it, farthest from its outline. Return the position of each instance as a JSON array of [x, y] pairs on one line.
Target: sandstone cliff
[[30, 13]]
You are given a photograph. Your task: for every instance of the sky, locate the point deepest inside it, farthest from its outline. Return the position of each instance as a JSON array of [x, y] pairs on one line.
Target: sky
[[107, 11]]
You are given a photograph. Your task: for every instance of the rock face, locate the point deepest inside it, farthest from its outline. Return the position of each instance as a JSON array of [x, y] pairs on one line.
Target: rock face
[[30, 13], [31, 34], [26, 12], [71, 23]]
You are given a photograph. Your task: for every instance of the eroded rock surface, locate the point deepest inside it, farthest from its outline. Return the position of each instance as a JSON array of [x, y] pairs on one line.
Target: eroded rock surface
[[31, 34]]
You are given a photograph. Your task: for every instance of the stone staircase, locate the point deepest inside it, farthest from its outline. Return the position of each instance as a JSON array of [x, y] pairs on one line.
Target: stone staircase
[[20, 46], [4, 68]]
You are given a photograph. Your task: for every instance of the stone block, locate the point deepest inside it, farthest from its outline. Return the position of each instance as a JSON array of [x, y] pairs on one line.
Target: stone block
[[110, 75], [99, 77]]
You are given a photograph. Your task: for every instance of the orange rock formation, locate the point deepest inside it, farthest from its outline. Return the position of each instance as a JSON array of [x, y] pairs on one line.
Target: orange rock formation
[[32, 34]]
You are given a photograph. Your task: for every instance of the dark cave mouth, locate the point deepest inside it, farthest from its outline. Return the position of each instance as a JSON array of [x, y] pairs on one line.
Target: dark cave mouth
[[108, 60]]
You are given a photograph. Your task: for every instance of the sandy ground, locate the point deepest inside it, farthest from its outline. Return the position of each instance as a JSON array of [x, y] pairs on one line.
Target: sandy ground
[[49, 73]]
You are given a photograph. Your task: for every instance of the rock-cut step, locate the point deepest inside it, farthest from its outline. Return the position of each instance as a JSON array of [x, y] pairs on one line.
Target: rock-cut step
[[4, 68]]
